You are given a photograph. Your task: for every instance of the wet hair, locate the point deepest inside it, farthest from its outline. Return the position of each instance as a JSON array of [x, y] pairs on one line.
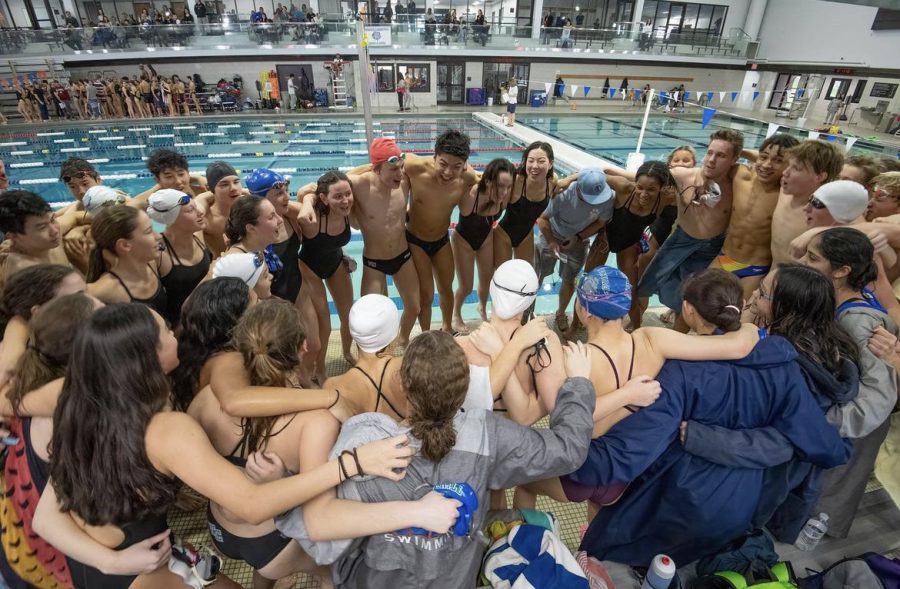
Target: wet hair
[[435, 376], [803, 313], [781, 140], [889, 181], [15, 208], [166, 159], [34, 285], [889, 164], [454, 143], [735, 138], [543, 146], [844, 246], [46, 356], [324, 184], [820, 156], [687, 148], [658, 171], [268, 337], [208, 319], [73, 165], [867, 164], [244, 211], [492, 172], [110, 224], [113, 387], [717, 296]]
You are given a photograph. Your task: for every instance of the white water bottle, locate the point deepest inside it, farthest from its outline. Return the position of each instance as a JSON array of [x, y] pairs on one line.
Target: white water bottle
[[812, 532], [660, 573]]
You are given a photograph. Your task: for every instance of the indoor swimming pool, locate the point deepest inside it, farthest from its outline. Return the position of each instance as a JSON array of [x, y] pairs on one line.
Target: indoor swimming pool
[[303, 149], [614, 136]]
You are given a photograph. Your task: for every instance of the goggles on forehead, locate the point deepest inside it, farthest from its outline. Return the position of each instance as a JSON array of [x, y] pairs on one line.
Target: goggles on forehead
[[521, 293], [183, 201]]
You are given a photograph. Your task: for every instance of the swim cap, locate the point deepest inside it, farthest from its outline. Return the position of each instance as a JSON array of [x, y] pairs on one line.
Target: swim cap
[[374, 322], [381, 149], [844, 199], [513, 289], [216, 171], [261, 181], [605, 293], [97, 196], [248, 267], [165, 205]]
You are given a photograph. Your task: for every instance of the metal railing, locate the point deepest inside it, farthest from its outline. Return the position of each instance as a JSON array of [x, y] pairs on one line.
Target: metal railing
[[340, 35]]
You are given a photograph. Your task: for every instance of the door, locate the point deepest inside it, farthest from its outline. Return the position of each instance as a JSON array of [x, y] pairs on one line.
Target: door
[[498, 74], [451, 82], [785, 92]]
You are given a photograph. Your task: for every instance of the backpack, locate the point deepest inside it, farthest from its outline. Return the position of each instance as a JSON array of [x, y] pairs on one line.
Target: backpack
[[869, 570]]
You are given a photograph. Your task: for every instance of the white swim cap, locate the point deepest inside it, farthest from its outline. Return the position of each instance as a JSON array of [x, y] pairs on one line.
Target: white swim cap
[[165, 205], [513, 288], [248, 267], [97, 196], [374, 322]]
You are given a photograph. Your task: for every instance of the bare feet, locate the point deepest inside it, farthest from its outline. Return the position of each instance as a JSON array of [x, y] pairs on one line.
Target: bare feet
[[459, 326], [481, 312], [562, 321]]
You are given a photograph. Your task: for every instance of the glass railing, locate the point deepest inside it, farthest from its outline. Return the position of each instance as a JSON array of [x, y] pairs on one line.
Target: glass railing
[[341, 35]]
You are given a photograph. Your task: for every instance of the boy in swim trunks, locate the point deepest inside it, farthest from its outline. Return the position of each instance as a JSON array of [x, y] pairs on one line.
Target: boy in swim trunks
[[379, 211], [747, 251]]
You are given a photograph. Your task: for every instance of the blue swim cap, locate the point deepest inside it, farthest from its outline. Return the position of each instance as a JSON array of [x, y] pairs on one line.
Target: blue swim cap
[[260, 181], [605, 292]]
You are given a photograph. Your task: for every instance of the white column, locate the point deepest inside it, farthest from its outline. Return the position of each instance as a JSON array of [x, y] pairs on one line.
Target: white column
[[636, 17], [754, 18], [537, 16]]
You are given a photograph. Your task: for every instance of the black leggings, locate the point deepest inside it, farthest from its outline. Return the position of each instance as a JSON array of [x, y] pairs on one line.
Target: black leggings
[[400, 99]]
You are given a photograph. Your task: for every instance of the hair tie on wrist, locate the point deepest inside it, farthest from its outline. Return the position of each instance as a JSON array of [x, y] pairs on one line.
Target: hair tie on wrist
[[733, 307]]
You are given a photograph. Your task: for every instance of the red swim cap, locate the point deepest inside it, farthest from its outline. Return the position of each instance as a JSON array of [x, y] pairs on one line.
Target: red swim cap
[[381, 149]]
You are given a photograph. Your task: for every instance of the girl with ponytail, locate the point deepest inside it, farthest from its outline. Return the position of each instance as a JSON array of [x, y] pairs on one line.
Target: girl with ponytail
[[271, 340]]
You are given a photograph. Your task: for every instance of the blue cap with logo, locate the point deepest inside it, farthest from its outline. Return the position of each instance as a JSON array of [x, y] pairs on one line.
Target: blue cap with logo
[[605, 292], [260, 181], [593, 187]]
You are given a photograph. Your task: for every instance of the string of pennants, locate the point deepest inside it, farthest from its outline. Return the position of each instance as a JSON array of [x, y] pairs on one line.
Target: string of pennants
[[665, 95], [23, 78]]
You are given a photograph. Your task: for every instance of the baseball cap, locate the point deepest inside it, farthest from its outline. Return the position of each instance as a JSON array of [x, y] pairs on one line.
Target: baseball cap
[[260, 181], [845, 200], [593, 187], [605, 292]]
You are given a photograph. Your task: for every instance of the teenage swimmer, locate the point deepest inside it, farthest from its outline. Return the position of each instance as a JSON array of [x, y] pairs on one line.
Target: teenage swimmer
[[472, 240], [185, 260], [322, 262]]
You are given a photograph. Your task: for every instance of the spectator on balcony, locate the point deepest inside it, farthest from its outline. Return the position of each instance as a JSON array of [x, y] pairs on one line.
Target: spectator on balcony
[[400, 12], [201, 13], [388, 14], [411, 14], [71, 21], [579, 20], [565, 36], [596, 23], [430, 27], [546, 30], [480, 28], [73, 38]]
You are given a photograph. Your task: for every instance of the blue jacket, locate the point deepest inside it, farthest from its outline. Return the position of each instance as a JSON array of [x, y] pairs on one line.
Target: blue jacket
[[684, 505]]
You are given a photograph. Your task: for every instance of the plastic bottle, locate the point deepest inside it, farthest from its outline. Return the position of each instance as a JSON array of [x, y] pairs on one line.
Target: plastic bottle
[[812, 532], [660, 573]]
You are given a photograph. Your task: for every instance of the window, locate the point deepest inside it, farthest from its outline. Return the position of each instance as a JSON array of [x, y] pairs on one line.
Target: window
[[837, 89], [385, 78], [418, 76], [858, 91], [666, 18]]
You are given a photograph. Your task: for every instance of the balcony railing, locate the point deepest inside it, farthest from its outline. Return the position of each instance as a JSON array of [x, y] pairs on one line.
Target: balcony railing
[[340, 35]]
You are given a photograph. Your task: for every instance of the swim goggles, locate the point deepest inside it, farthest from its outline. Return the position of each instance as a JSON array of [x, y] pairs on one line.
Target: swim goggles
[[395, 160], [79, 175], [521, 293], [258, 260], [817, 204], [183, 201]]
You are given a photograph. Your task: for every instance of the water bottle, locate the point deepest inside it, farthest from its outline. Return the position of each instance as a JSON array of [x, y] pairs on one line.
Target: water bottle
[[660, 573], [812, 532]]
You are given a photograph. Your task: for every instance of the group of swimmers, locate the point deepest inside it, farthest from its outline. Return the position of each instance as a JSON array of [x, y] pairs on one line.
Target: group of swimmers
[[137, 364]]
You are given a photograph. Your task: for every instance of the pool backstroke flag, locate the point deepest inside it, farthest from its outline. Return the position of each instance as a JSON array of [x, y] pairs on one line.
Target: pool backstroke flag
[[574, 89], [586, 90], [773, 127], [734, 96], [709, 96], [547, 86], [708, 114], [612, 92]]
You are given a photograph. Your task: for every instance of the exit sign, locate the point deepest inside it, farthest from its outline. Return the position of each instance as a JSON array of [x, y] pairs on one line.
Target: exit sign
[[843, 70]]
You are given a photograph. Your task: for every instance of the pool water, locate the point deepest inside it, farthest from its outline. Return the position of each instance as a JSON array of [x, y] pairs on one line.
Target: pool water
[[613, 137], [303, 149]]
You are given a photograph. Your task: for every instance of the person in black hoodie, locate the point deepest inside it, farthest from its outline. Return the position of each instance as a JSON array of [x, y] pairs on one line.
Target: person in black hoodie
[[797, 303]]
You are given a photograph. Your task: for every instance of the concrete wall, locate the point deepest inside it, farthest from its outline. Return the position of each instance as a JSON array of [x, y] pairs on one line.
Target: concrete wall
[[819, 31]]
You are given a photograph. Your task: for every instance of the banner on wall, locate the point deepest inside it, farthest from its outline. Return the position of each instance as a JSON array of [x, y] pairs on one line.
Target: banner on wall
[[708, 114], [379, 36]]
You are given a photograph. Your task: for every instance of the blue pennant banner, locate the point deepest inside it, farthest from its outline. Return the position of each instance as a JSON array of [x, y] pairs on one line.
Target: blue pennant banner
[[708, 114], [734, 96], [687, 95], [586, 90], [755, 95], [612, 92]]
